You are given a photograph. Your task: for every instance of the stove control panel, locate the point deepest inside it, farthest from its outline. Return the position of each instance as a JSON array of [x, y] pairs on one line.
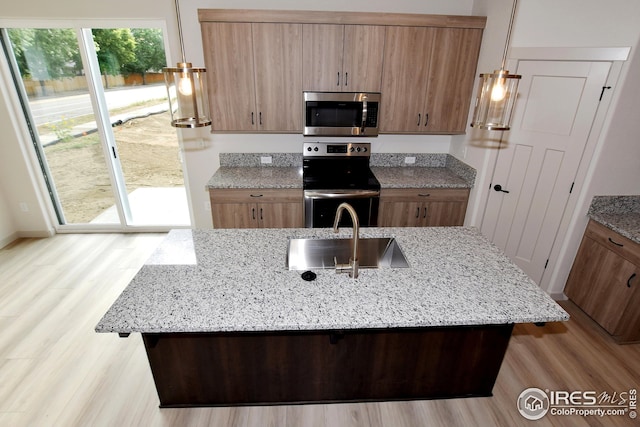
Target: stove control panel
[[313, 149]]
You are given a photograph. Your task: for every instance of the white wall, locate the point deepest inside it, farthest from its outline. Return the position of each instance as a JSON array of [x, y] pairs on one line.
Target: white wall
[[8, 231], [16, 176]]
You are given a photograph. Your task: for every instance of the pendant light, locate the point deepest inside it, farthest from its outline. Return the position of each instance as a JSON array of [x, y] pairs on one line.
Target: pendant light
[[497, 93], [187, 90]]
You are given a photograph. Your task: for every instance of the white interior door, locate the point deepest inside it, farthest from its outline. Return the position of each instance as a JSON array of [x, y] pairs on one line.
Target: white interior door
[[539, 158]]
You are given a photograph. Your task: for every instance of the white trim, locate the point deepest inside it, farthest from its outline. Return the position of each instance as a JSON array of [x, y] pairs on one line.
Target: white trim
[[8, 239], [570, 53], [83, 23]]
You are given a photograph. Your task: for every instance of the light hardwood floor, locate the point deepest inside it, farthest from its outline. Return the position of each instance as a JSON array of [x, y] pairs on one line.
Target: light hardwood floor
[[56, 371]]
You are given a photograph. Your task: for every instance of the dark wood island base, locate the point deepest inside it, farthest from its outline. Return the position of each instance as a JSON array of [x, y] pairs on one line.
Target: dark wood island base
[[224, 369]]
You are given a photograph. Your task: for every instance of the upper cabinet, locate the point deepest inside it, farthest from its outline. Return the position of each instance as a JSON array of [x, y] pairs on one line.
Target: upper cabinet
[[254, 76], [342, 58], [259, 62], [428, 79]]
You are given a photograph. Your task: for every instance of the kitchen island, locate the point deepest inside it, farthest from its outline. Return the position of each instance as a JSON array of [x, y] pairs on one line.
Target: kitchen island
[[224, 322]]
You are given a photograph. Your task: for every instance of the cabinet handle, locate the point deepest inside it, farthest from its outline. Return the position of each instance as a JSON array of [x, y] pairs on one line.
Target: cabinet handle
[[630, 279], [417, 212], [616, 243], [346, 79], [255, 195], [261, 218], [426, 119], [252, 121], [260, 118], [338, 82], [418, 119], [425, 212], [424, 195], [253, 213]]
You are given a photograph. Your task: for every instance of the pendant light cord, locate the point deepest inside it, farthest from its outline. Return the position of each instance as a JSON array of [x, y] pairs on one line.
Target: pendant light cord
[[506, 45], [180, 31]]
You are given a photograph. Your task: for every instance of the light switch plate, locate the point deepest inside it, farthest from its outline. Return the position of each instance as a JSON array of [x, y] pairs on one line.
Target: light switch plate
[[409, 160]]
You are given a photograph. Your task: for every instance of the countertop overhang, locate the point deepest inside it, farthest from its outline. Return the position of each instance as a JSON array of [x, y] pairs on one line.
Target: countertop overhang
[[235, 280]]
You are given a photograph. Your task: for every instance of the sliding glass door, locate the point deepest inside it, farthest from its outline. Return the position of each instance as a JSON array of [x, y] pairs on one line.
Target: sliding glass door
[[96, 106]]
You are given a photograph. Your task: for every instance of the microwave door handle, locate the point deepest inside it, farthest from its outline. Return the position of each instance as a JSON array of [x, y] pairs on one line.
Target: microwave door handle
[[364, 114]]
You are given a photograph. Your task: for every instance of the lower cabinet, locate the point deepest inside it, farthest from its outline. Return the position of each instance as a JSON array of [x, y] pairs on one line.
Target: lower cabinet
[[256, 208], [422, 207], [283, 367], [604, 281]]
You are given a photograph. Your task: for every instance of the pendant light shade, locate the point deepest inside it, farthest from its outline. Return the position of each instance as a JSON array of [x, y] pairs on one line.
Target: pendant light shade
[[497, 93], [496, 97], [187, 90]]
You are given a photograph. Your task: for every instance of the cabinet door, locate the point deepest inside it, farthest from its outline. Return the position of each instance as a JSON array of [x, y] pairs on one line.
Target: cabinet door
[[407, 55], [362, 58], [322, 57], [401, 214], [280, 215], [444, 214], [451, 77], [234, 215], [598, 284], [278, 64], [230, 76]]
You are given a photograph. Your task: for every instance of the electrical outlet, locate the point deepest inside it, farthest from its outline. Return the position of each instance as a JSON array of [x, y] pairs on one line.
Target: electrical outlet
[[265, 159], [207, 205], [409, 160], [24, 207]]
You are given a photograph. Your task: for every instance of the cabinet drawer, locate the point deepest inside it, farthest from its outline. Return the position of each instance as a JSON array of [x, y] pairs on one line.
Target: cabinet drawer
[[613, 241], [424, 194], [255, 195]]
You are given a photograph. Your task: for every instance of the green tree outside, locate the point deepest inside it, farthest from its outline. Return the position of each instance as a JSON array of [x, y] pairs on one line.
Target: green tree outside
[[114, 48], [44, 54], [149, 52], [49, 54]]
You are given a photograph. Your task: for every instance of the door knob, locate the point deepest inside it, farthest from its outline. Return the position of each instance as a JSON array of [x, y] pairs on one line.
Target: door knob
[[498, 187]]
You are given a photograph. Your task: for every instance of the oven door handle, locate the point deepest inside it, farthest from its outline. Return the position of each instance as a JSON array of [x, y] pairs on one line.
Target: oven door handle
[[339, 194]]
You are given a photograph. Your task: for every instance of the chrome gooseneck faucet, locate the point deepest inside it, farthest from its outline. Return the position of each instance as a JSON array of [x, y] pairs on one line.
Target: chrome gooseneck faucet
[[352, 267]]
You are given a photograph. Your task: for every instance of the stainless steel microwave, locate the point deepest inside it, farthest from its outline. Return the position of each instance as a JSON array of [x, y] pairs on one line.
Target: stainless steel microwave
[[340, 113]]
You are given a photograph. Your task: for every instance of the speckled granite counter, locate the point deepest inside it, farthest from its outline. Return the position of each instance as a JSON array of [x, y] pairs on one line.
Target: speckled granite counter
[[236, 280], [418, 177], [256, 177], [244, 170], [620, 213]]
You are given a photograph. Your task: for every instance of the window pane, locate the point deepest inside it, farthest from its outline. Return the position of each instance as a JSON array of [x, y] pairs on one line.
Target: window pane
[[131, 62], [53, 77]]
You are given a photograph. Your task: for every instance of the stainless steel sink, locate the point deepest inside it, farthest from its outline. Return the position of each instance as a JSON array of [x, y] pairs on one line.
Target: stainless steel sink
[[309, 254]]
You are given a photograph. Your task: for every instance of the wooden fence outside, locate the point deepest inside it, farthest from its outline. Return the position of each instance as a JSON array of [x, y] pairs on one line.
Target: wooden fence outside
[[38, 88]]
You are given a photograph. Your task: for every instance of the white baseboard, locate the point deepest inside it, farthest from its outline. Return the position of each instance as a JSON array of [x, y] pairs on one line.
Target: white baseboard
[[4, 241], [35, 234]]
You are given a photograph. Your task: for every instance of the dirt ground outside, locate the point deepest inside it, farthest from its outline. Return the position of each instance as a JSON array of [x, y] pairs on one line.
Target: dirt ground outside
[[148, 152]]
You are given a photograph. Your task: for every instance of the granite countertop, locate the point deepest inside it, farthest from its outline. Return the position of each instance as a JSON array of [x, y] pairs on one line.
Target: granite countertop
[[256, 177], [418, 177], [244, 170], [236, 280], [619, 213]]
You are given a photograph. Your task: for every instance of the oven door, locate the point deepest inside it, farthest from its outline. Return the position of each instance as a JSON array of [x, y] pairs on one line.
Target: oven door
[[320, 207]]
